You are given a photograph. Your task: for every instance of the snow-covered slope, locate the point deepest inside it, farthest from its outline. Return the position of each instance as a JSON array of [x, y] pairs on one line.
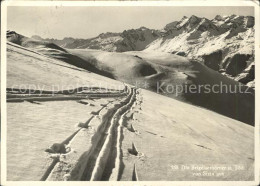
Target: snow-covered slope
[[46, 48], [167, 73], [148, 68], [33, 70], [135, 136], [124, 67]]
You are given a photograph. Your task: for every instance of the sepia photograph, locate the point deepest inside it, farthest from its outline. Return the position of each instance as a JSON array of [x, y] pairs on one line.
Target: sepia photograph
[[129, 91]]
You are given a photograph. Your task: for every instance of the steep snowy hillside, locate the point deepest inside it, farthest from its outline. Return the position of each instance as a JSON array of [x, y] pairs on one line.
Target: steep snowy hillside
[[52, 50], [30, 69], [225, 44], [36, 44], [107, 130]]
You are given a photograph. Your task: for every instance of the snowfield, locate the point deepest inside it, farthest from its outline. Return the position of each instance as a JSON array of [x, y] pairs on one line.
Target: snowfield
[[170, 132], [118, 131], [149, 70], [35, 127], [27, 69]]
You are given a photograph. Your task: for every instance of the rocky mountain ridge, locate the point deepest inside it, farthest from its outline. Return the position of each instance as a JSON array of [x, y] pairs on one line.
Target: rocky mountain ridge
[[128, 40], [225, 44]]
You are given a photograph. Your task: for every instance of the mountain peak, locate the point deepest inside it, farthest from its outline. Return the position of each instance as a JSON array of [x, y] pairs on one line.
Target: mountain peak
[[194, 19], [233, 15], [171, 25], [143, 28], [37, 37], [218, 17]]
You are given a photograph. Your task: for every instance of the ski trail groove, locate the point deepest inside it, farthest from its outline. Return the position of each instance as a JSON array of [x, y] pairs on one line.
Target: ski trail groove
[[104, 154], [134, 175], [49, 169], [114, 162], [66, 142], [21, 95]]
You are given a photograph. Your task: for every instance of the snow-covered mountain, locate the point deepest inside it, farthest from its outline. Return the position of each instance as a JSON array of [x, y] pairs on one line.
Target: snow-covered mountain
[[60, 42], [128, 40], [225, 43]]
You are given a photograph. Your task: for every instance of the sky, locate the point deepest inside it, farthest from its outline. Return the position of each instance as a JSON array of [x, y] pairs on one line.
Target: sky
[[87, 22]]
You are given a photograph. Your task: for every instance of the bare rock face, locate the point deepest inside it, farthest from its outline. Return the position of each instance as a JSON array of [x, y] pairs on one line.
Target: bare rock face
[[213, 60], [181, 53], [14, 37], [247, 76], [171, 25], [237, 64], [250, 21], [218, 18], [251, 84]]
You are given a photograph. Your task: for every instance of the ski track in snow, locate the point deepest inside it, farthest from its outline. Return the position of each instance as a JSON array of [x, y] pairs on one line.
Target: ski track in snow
[[104, 157]]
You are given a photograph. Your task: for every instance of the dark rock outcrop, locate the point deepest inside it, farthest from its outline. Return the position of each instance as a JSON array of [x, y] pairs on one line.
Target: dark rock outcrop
[[247, 75], [237, 64], [181, 53], [213, 60]]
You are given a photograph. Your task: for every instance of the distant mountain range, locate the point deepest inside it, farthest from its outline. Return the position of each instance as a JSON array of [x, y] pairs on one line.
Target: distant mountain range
[[225, 43], [128, 40]]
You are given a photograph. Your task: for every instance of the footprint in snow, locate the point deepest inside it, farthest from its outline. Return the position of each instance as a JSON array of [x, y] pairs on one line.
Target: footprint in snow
[[58, 148]]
